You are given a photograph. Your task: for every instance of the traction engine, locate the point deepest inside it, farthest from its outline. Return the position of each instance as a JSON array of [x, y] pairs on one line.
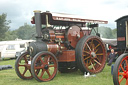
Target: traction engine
[[120, 70], [62, 43]]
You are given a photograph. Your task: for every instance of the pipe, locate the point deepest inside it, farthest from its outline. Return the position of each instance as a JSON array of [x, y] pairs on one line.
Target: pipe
[[38, 23], [47, 22]]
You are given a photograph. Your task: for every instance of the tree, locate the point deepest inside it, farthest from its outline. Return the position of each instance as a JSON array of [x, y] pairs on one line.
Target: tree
[[26, 32], [3, 26], [114, 32], [105, 32], [10, 35]]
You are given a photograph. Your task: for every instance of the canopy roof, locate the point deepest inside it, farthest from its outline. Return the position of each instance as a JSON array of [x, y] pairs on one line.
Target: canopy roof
[[74, 18], [123, 17], [67, 19]]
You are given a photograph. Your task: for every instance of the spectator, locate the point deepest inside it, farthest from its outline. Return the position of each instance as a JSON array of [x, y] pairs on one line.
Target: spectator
[[111, 57]]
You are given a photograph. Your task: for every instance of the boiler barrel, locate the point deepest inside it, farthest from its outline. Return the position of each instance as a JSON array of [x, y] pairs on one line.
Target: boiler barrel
[[36, 47]]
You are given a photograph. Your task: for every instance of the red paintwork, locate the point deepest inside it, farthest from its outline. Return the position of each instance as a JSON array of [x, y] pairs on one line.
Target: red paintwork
[[66, 56], [124, 73], [121, 39], [74, 35]]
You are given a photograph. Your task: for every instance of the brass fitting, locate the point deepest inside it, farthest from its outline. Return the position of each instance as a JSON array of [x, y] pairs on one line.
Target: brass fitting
[[37, 11]]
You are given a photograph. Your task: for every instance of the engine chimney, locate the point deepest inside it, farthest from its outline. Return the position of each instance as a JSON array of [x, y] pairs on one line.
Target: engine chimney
[[38, 23]]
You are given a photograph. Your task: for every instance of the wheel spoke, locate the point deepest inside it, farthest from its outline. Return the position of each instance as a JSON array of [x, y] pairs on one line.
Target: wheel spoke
[[48, 73], [84, 55], [97, 58], [30, 71], [100, 54], [88, 47], [22, 65], [97, 46], [86, 58], [121, 79], [25, 59], [39, 67], [86, 52], [126, 82], [25, 71], [89, 63], [93, 66], [41, 60], [93, 47], [42, 73], [121, 73], [97, 62], [122, 68], [92, 44], [96, 50], [46, 58], [51, 65], [126, 64]]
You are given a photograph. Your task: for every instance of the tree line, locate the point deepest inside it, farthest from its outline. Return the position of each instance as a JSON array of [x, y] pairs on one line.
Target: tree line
[[24, 32], [27, 31], [107, 32]]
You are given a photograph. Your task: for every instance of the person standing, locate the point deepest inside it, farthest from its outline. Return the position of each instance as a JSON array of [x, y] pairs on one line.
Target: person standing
[[111, 57]]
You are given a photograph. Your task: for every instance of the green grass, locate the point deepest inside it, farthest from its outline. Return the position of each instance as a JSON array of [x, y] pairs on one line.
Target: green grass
[[9, 77]]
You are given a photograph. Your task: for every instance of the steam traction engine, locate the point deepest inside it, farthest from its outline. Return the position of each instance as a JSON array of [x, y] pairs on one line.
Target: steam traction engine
[[62, 43], [120, 71]]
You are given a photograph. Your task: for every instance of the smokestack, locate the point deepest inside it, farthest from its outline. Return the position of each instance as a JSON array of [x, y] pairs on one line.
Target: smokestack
[[38, 22]]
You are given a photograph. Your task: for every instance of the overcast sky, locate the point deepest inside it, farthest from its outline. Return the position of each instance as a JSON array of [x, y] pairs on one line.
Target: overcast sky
[[21, 11]]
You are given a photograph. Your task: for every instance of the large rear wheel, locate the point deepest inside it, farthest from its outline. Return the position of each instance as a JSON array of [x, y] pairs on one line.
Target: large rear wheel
[[91, 54]]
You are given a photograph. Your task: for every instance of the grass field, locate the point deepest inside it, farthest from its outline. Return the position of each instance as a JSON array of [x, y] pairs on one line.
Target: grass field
[[9, 77]]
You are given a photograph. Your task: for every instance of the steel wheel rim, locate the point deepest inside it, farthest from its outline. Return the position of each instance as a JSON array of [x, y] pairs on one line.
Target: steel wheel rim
[[47, 65], [94, 55], [23, 62], [123, 71]]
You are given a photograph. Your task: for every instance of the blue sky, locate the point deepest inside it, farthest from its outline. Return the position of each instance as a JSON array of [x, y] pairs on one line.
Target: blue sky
[[21, 11]]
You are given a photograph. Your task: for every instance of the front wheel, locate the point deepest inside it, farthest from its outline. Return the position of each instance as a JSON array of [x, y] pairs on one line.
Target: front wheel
[[47, 63], [22, 67], [120, 71]]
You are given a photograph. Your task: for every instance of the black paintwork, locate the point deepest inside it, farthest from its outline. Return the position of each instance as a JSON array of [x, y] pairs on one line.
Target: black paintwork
[[121, 31]]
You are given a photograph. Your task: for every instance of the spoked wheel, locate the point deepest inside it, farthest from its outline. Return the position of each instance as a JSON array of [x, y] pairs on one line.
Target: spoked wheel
[[90, 54], [120, 71], [22, 67], [47, 63]]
